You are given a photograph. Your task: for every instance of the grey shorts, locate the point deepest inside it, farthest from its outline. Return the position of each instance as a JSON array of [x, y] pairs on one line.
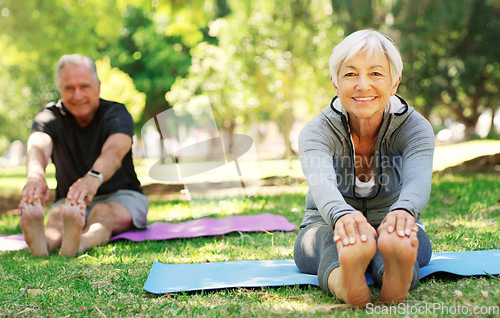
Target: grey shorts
[[136, 203]]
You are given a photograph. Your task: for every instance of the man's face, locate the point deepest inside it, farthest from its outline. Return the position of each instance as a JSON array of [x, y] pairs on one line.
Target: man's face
[[79, 93]]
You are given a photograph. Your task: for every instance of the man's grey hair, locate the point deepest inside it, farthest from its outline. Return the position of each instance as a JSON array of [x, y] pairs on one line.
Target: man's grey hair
[[75, 59], [371, 42]]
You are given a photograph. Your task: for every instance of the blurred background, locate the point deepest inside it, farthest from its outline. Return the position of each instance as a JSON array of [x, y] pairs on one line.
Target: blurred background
[[261, 65]]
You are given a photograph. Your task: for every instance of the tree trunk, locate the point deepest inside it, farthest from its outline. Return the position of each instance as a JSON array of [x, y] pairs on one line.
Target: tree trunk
[[285, 127], [492, 134]]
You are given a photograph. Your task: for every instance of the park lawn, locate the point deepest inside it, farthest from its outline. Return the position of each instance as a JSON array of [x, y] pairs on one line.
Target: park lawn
[[462, 215]]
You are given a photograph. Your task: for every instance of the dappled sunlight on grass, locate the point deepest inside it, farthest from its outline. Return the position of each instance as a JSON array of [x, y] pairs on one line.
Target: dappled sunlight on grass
[[182, 210], [450, 155], [449, 178], [230, 247], [464, 233], [186, 210], [9, 224], [475, 195], [264, 302]]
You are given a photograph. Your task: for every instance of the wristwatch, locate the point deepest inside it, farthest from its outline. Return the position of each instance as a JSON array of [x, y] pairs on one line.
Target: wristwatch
[[96, 174]]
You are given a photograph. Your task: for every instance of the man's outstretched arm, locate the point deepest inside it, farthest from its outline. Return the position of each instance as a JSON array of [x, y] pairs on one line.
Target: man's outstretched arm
[[39, 150]]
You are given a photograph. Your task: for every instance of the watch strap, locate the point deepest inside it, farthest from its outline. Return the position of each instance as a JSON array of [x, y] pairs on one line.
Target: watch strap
[[96, 174]]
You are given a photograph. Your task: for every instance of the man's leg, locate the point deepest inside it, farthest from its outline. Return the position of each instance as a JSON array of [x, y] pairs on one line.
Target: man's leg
[[104, 220], [31, 218], [73, 219], [54, 227], [41, 240]]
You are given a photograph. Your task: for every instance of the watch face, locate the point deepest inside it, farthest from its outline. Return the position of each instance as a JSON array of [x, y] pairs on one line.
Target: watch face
[[95, 172]]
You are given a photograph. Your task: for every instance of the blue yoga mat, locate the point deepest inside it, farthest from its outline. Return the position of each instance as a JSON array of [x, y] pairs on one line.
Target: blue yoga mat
[[468, 263], [172, 278]]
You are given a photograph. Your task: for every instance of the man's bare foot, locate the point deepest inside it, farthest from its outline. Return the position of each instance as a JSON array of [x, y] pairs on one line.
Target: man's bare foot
[[348, 281], [399, 254], [73, 217], [31, 222]]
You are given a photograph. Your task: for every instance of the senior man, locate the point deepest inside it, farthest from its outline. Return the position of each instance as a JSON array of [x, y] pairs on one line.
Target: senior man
[[89, 141]]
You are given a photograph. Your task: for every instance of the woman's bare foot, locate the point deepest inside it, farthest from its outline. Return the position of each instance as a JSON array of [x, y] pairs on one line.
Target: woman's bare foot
[[348, 281], [31, 218], [73, 217], [399, 254]]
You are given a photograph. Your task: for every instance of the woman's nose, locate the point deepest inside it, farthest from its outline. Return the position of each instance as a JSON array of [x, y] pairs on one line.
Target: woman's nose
[[362, 83]]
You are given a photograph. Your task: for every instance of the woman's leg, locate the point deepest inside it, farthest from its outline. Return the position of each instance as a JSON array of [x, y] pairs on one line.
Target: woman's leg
[[423, 256], [339, 272], [315, 252]]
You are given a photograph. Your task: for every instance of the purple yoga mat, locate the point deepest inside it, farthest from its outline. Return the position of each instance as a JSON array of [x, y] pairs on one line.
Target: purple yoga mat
[[209, 227], [12, 242], [195, 228]]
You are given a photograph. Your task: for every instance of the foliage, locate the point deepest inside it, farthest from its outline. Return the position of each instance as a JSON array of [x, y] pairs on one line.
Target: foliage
[[154, 49], [271, 56], [263, 67], [32, 41], [118, 86], [216, 75], [452, 56]]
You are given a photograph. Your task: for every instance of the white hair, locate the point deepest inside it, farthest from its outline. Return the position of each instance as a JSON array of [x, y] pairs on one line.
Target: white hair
[[370, 41], [75, 59]]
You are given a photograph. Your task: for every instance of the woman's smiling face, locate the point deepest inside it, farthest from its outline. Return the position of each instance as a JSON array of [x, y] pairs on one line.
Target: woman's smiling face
[[364, 85]]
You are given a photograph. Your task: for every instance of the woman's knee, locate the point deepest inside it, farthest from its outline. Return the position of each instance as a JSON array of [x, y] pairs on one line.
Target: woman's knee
[[424, 248], [300, 254], [305, 250]]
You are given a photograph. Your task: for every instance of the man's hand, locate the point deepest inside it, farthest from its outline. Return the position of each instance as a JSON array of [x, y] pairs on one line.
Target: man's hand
[[35, 189], [351, 226], [83, 190], [400, 221]]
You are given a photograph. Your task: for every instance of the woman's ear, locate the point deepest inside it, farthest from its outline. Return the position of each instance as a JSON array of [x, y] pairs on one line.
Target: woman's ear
[[334, 86], [394, 88]]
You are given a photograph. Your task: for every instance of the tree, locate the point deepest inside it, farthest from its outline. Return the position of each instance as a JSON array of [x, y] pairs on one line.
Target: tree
[[271, 63], [32, 40], [154, 51], [118, 86], [452, 57]]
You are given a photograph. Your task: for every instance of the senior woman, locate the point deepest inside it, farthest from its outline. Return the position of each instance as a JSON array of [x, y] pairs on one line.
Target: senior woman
[[367, 159]]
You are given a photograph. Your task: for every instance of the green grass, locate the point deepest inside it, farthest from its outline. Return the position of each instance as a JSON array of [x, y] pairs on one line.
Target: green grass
[[463, 214], [13, 179]]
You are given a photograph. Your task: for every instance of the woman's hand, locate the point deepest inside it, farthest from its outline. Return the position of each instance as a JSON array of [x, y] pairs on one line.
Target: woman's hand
[[400, 221], [352, 226]]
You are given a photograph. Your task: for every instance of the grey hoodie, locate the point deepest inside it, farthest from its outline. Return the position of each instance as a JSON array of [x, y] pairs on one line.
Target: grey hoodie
[[403, 165]]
